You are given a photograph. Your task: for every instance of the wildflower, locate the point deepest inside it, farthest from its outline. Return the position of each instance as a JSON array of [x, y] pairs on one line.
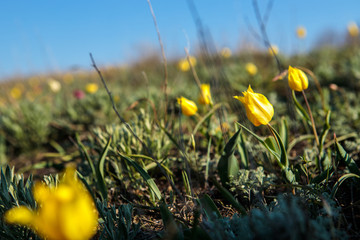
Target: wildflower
[[298, 80], [334, 87], [188, 107], [258, 108], [273, 50], [16, 92], [205, 95], [251, 69], [301, 32], [64, 212], [91, 88], [78, 94], [184, 64], [353, 29], [68, 78], [226, 52], [54, 85]]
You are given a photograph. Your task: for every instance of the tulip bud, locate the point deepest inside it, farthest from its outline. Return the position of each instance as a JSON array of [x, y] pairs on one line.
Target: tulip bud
[[205, 95], [188, 107], [258, 108], [298, 80]]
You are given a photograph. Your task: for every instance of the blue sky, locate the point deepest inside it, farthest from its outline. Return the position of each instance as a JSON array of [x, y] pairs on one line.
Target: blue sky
[[44, 36]]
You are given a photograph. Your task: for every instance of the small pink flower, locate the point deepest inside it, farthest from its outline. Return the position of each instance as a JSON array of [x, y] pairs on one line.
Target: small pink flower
[[78, 94]]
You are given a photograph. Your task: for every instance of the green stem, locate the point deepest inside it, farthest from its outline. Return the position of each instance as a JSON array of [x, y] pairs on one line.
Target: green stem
[[311, 118]]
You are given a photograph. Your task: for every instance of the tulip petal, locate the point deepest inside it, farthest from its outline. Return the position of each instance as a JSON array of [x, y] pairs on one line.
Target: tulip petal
[[20, 215]]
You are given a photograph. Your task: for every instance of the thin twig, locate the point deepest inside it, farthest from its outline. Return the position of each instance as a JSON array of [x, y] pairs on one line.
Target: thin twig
[[131, 131], [164, 59], [266, 40]]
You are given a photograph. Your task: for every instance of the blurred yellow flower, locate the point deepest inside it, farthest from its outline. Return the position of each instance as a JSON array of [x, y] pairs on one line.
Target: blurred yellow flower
[[205, 94], [226, 52], [301, 32], [258, 108], [298, 80], [16, 92], [188, 107], [91, 88], [68, 78], [65, 212], [353, 29], [251, 68], [54, 85], [184, 65], [273, 50]]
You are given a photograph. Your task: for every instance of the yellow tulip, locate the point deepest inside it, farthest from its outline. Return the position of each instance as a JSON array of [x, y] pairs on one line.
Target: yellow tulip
[[16, 92], [301, 32], [298, 80], [188, 107], [353, 29], [205, 95], [273, 50], [226, 52], [251, 69], [91, 88], [258, 108], [65, 212], [184, 63]]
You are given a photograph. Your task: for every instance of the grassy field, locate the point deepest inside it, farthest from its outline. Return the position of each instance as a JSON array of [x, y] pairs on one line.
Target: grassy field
[[156, 169]]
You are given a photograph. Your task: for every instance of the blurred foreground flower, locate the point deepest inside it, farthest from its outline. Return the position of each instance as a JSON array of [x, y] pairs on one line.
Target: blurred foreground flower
[[91, 88], [54, 85], [205, 94], [301, 32], [184, 65], [251, 69], [226, 52], [298, 80], [188, 107], [65, 212], [258, 108], [273, 50], [16, 92], [78, 94], [353, 29]]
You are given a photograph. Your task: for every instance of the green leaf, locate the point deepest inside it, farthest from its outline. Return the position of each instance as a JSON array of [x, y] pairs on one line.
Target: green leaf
[[244, 158], [300, 109], [149, 181], [284, 132], [323, 175], [168, 220], [100, 176], [344, 156], [209, 208], [229, 197], [275, 154], [340, 181], [283, 157], [228, 164]]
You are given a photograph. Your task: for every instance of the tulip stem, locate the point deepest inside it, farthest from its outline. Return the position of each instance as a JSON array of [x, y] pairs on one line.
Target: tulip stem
[[311, 118]]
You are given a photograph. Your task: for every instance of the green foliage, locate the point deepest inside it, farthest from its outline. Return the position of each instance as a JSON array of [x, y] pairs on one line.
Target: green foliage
[[289, 218], [117, 222], [14, 191], [26, 127]]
